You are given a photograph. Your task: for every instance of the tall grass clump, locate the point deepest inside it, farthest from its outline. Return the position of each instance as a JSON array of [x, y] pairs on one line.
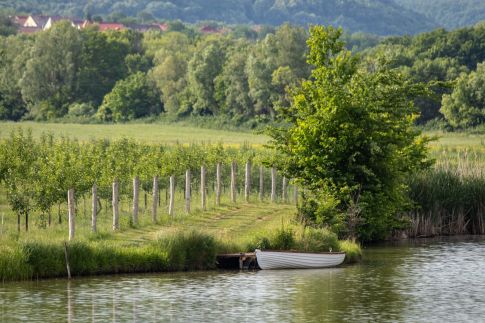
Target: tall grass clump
[[13, 263], [189, 251], [449, 199]]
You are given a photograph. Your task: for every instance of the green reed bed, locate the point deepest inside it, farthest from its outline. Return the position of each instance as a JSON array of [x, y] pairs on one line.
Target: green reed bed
[[42, 259], [450, 198]]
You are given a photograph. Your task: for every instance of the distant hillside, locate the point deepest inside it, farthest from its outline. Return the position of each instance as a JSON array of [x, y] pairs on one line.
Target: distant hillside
[[448, 13], [383, 17]]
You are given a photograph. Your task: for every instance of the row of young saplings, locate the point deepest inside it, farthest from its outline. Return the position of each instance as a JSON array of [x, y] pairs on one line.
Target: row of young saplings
[[187, 194]]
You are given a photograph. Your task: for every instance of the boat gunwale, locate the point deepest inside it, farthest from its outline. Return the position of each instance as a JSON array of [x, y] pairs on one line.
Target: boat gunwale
[[304, 252]]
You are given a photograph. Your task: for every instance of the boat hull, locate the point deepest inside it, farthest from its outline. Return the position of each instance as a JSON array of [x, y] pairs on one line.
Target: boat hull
[[298, 260]]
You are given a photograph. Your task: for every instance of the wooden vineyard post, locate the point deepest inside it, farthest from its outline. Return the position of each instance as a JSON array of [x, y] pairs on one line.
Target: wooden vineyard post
[[71, 210], [187, 190], [273, 184], [203, 192], [171, 205], [247, 181], [155, 199], [233, 182], [261, 182], [94, 207], [284, 189], [136, 196], [115, 200], [218, 184]]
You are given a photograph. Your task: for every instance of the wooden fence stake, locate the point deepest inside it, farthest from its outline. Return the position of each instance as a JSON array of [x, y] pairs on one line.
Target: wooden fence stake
[[247, 181], [218, 184], [136, 195], [66, 257], [115, 202], [203, 191], [295, 194], [188, 176], [284, 189], [261, 183], [233, 182], [171, 206], [155, 199], [273, 184], [71, 210], [94, 207]]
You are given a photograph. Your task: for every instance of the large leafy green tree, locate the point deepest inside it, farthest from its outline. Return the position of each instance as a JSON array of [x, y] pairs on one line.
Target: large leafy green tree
[[133, 97], [49, 82], [350, 140], [465, 107]]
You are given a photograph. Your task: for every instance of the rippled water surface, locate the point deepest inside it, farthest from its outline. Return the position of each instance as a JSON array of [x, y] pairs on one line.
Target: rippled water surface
[[422, 281]]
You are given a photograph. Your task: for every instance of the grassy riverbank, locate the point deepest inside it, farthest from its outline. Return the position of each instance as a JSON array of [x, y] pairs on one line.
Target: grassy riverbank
[[186, 242]]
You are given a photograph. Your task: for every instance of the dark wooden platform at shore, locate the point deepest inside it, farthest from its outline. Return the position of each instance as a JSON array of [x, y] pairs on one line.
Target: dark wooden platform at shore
[[237, 261]]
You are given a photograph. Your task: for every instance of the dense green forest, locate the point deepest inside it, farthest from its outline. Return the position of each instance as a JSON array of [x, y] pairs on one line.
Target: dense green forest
[[448, 13], [377, 16], [243, 75]]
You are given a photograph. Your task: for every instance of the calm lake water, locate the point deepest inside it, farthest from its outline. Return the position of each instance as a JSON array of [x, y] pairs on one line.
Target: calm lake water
[[439, 280]]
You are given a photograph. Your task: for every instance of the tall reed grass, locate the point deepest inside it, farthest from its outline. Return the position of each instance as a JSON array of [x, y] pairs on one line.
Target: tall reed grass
[[44, 259], [450, 198]]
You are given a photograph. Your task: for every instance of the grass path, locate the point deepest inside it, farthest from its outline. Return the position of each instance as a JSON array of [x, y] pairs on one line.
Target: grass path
[[231, 223]]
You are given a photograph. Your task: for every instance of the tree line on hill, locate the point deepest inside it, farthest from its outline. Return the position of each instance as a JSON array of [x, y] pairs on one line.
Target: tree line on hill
[[377, 16], [244, 75]]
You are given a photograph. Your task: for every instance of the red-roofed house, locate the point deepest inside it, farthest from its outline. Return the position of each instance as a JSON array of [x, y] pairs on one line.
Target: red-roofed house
[[110, 26], [36, 21], [20, 20]]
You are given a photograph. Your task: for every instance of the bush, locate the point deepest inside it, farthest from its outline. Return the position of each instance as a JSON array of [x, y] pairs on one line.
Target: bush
[[318, 240]]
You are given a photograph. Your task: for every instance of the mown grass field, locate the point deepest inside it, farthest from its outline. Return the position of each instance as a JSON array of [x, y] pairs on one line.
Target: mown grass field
[[171, 133], [147, 133]]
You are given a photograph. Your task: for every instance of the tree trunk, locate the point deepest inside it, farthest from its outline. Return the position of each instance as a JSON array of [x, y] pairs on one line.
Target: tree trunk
[[171, 206], [26, 221], [295, 194], [284, 194], [273, 184], [233, 182], [116, 215], [18, 222], [94, 206], [247, 181], [187, 190], [218, 184], [261, 183], [59, 216], [71, 210], [155, 199], [136, 195], [203, 188], [49, 216]]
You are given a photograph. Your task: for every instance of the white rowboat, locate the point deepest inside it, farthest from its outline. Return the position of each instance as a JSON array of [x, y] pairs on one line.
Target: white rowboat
[[297, 260]]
